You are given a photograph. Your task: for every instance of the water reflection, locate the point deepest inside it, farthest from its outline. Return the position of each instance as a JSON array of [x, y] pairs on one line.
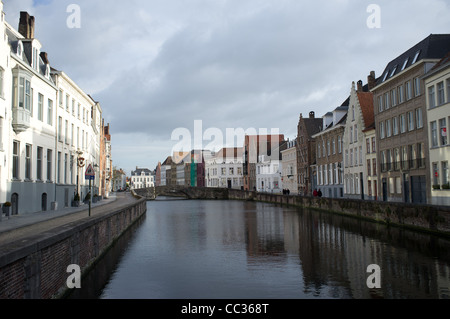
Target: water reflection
[[232, 249]]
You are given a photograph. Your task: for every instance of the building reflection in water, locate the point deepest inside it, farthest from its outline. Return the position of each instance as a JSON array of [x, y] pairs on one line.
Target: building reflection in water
[[334, 253]]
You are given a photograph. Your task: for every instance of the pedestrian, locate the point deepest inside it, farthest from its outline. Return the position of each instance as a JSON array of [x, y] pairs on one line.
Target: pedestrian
[[315, 193], [319, 193], [288, 191]]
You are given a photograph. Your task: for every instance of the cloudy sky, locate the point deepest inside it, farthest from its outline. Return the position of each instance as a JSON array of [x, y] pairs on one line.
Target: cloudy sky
[[157, 66]]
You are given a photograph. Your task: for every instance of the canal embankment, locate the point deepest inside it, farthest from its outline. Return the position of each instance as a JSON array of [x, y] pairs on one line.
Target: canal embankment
[[35, 266], [425, 218]]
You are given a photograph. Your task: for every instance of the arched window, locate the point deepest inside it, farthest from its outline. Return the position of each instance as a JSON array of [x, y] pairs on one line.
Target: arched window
[[44, 202]]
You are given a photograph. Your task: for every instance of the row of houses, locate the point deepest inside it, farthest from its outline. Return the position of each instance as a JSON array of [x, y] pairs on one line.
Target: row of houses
[[50, 129], [387, 141]]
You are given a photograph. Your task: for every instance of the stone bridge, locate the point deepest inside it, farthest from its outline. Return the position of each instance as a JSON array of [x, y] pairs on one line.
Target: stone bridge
[[182, 191]]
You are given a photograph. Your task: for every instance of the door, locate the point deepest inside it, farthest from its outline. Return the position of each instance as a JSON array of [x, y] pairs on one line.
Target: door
[[361, 178], [66, 197], [418, 189], [229, 184], [406, 188], [385, 190], [44, 202], [15, 204]]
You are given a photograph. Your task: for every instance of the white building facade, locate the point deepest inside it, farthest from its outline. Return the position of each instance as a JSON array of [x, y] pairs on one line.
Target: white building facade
[[437, 86], [268, 175], [142, 178], [38, 135], [225, 169]]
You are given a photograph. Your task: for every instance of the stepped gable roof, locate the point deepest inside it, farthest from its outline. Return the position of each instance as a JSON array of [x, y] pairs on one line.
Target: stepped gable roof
[[366, 104], [435, 46], [168, 161]]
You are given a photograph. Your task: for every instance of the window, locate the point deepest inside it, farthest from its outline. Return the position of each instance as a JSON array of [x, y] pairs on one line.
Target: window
[[49, 165], [417, 90], [72, 132], [65, 168], [67, 102], [61, 98], [2, 74], [368, 148], [16, 161], [369, 168], [374, 167], [435, 174], [360, 155], [334, 146], [445, 177], [421, 155], [388, 128], [404, 157], [39, 156], [351, 158], [318, 151], [73, 107], [374, 148], [393, 71], [60, 129], [448, 90], [28, 162], [353, 113], [22, 93], [340, 144], [58, 169], [355, 132], [431, 97], [401, 96], [356, 157], [389, 160], [347, 163], [380, 104], [408, 90], [40, 107], [415, 57], [386, 101], [395, 127], [402, 123], [410, 121], [394, 97], [396, 159], [382, 133], [66, 132], [440, 93], [351, 135], [50, 112], [443, 131], [405, 63], [329, 147], [79, 113], [419, 118]]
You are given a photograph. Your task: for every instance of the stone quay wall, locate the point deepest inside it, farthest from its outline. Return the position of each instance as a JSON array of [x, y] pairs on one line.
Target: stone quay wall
[[36, 268], [433, 219]]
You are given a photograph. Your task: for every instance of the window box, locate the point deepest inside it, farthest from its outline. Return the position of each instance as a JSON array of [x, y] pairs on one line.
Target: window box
[[435, 187], [446, 186]]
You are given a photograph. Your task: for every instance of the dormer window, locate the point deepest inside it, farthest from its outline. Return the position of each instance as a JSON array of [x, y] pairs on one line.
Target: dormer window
[[393, 71], [35, 63], [416, 57], [385, 76], [19, 51], [47, 71], [405, 63]]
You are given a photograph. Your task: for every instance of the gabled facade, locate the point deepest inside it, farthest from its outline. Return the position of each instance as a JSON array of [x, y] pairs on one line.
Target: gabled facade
[[328, 172], [289, 168], [402, 125], [306, 152], [360, 117]]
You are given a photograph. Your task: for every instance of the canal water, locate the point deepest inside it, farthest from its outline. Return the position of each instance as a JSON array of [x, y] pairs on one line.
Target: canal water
[[247, 250]]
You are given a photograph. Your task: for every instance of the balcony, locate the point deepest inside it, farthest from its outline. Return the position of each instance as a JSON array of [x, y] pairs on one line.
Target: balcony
[[21, 120]]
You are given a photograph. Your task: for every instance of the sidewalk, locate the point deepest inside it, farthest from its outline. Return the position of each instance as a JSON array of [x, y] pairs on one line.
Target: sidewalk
[[24, 220]]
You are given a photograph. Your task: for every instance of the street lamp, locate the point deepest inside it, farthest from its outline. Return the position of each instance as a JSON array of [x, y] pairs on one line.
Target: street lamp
[[80, 164]]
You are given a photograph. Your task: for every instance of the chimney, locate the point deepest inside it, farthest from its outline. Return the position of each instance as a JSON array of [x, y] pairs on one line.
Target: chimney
[[26, 25], [371, 80], [312, 115], [360, 86]]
